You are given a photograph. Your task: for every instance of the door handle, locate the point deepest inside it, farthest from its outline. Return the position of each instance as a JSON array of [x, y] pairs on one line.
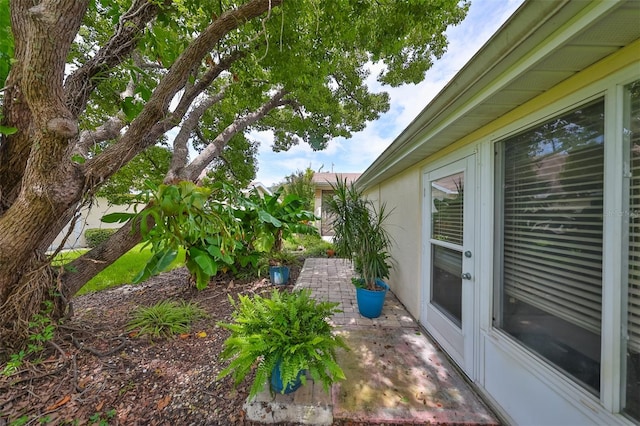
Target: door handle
[[466, 276]]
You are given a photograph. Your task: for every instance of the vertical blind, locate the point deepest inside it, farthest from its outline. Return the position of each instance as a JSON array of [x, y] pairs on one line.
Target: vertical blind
[[447, 195], [552, 216], [633, 130]]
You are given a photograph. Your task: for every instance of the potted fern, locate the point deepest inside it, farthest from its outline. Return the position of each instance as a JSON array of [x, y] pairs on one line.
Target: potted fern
[[360, 236], [285, 334]]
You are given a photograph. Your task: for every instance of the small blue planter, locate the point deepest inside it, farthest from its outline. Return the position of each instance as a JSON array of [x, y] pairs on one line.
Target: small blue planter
[[370, 302], [279, 275], [276, 381]]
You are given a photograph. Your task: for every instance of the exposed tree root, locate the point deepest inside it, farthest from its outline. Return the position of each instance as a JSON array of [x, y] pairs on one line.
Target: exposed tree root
[[35, 287]]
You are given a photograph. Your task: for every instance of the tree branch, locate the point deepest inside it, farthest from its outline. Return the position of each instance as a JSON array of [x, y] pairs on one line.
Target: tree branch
[[205, 81], [193, 170], [81, 83], [180, 143], [110, 129], [138, 137]]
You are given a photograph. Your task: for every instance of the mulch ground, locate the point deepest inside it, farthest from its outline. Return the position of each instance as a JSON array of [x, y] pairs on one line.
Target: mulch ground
[[97, 373]]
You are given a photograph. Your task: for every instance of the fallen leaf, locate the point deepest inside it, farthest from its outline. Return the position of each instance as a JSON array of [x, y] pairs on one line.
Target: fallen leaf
[[99, 406], [60, 403], [201, 334], [230, 285], [164, 402], [184, 336]]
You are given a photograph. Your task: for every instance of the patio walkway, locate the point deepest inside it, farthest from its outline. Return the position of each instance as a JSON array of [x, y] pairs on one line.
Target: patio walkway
[[394, 373]]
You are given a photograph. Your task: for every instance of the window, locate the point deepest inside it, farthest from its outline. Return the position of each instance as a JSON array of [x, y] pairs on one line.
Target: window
[[549, 201], [631, 387]]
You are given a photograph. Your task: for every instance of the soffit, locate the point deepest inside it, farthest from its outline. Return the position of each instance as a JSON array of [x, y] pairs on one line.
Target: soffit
[[477, 95]]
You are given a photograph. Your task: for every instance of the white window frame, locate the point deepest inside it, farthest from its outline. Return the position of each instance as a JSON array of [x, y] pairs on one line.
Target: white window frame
[[612, 354]]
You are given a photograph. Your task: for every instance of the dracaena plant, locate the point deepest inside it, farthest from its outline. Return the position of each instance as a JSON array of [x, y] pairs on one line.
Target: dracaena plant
[[359, 232]]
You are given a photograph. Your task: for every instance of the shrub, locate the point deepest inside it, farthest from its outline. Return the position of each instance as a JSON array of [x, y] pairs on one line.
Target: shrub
[[95, 236], [314, 245], [165, 319]]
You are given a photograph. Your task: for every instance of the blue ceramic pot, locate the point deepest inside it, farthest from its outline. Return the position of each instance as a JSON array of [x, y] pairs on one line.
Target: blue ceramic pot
[[279, 275], [276, 380], [370, 302]]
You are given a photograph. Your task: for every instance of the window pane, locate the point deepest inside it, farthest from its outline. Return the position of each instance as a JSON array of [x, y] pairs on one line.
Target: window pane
[[550, 288], [632, 131], [447, 210], [447, 282]]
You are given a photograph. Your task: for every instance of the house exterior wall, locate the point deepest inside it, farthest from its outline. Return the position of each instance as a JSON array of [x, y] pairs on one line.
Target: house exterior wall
[[89, 218], [402, 194], [548, 397]]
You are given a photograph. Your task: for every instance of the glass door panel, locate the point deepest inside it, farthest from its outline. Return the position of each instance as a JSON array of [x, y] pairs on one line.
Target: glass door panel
[[448, 302], [446, 282]]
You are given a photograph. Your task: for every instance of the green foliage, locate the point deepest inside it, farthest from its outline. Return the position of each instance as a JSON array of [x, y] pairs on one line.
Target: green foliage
[[182, 216], [6, 56], [14, 363], [360, 235], [236, 165], [96, 236], [41, 331], [288, 327], [299, 184], [219, 227], [102, 419], [41, 328], [149, 166], [22, 420], [313, 245], [165, 319], [272, 219], [6, 44]]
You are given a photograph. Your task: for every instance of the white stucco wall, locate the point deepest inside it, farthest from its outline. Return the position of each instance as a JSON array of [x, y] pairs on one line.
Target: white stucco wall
[[90, 218], [402, 194]]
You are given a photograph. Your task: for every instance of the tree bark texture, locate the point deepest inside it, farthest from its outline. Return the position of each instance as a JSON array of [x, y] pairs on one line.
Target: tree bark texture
[[39, 181]]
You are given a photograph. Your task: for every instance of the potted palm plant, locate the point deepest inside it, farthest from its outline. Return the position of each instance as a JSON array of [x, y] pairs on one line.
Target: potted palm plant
[[286, 335], [360, 236]]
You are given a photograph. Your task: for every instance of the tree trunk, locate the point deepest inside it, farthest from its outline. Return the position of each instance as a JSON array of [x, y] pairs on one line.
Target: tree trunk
[[39, 181]]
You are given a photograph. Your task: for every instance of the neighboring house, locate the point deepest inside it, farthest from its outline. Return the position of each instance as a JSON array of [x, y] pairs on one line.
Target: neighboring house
[[517, 215], [259, 187], [322, 183], [89, 218]]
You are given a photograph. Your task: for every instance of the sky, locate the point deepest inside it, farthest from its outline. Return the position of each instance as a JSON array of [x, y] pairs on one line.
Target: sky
[[354, 155]]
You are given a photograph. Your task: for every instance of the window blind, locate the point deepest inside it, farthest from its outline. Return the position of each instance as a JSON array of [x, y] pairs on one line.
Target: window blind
[[552, 216], [633, 304], [447, 195]]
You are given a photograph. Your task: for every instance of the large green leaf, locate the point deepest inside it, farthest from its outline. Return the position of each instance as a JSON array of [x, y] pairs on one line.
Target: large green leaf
[[268, 218], [156, 264], [264, 241], [204, 261], [117, 217]]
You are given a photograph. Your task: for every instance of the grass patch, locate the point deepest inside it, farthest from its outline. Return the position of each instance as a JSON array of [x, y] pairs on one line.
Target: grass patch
[[120, 272], [313, 245]]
